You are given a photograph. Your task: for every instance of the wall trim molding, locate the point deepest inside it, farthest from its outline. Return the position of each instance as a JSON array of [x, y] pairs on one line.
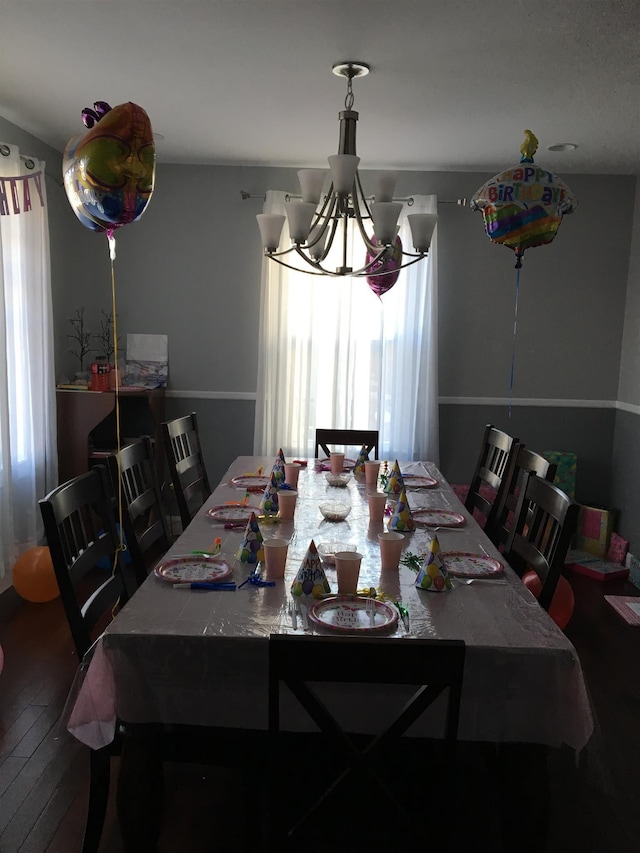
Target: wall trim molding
[[443, 401]]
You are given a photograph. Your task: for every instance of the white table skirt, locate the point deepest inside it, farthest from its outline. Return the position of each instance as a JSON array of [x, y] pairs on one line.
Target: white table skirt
[[201, 657]]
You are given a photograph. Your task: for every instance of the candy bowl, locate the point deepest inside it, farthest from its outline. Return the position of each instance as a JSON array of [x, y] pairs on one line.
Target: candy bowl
[[334, 510], [339, 480], [328, 550]]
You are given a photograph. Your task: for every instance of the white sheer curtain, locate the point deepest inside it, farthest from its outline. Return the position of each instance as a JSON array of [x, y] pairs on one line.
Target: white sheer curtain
[[28, 461], [333, 354]]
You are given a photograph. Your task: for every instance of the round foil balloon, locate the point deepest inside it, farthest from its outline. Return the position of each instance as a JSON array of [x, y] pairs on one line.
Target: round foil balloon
[[387, 269], [109, 172], [523, 206]]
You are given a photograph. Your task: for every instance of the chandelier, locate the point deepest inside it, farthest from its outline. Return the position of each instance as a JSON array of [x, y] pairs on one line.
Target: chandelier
[[321, 220]]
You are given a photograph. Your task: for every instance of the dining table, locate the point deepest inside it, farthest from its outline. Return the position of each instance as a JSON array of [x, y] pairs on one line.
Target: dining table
[[199, 657]]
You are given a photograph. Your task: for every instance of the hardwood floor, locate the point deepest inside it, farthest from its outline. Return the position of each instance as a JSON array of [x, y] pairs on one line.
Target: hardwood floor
[[44, 771]]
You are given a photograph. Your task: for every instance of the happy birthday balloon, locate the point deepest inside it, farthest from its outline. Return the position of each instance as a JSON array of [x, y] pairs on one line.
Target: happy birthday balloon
[[389, 268], [523, 206], [109, 172]]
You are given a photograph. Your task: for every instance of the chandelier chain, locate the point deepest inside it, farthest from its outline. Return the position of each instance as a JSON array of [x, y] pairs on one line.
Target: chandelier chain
[[348, 101]]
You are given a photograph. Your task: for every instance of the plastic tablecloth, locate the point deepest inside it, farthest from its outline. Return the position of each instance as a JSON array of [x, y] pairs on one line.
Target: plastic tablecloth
[[200, 657]]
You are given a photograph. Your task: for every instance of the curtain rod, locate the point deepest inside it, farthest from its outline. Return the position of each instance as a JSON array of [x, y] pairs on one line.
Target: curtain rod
[[244, 195]]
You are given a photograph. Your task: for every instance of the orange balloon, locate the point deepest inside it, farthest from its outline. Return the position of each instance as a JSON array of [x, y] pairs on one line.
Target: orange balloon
[[33, 576], [563, 601]]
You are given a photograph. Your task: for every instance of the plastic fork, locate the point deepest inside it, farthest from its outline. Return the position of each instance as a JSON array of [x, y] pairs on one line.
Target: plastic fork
[[371, 610]]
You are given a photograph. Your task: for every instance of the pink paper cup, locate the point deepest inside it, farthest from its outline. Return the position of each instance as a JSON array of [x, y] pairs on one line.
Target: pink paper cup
[[275, 557], [287, 504], [291, 473], [347, 571], [336, 462], [391, 545], [371, 471], [377, 502]]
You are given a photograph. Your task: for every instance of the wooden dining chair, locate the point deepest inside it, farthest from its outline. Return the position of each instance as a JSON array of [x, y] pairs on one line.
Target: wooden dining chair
[[144, 520], [347, 438], [502, 514], [81, 532], [495, 462], [186, 465], [544, 524], [432, 668]]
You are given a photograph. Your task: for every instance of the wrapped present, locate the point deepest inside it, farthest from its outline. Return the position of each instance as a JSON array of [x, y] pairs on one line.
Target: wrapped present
[[618, 549], [566, 464], [593, 567], [595, 525]]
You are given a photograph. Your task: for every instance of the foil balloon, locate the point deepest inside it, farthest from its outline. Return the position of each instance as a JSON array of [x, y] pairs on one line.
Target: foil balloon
[[109, 172], [523, 206], [387, 269]]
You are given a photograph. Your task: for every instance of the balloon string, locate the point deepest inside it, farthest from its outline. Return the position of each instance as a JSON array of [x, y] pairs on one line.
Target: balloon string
[[513, 346], [114, 315]]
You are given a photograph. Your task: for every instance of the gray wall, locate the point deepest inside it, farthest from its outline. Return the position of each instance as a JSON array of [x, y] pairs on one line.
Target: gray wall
[[190, 268]]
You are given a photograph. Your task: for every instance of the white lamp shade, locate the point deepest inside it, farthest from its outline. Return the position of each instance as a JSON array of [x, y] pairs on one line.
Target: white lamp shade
[[311, 184], [270, 225], [385, 216], [384, 186], [316, 249], [299, 216], [422, 226], [343, 172]]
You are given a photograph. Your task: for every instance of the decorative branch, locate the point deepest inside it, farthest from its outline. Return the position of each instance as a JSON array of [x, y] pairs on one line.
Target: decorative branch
[[105, 336], [81, 336]]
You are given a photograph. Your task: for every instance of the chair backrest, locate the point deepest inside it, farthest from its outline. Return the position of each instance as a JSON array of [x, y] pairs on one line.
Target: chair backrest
[[80, 530], [186, 464], [301, 663], [544, 524], [502, 513], [143, 514], [347, 438], [495, 460]]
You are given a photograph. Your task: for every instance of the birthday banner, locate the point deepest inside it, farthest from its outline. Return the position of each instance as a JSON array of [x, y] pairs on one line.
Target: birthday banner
[[18, 194]]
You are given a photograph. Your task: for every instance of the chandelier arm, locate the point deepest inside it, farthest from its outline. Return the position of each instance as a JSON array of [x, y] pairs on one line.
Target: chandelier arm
[[371, 246], [332, 234], [365, 271]]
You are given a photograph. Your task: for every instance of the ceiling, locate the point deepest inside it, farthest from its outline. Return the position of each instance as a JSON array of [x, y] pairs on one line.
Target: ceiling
[[453, 83]]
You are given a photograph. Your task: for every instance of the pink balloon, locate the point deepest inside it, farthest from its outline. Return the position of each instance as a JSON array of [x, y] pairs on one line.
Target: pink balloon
[[389, 267]]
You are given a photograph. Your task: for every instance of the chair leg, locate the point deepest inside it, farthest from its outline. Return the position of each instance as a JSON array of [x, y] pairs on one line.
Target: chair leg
[[140, 797], [100, 773]]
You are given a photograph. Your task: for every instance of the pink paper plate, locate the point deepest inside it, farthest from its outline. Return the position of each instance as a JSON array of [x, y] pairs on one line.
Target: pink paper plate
[[231, 513], [252, 483], [348, 614], [437, 517], [417, 481], [192, 568], [461, 564]]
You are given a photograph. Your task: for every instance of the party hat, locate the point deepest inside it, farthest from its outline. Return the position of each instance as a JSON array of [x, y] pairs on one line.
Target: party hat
[[363, 456], [395, 483], [251, 550], [311, 579], [269, 499], [402, 520], [278, 467], [433, 574]]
